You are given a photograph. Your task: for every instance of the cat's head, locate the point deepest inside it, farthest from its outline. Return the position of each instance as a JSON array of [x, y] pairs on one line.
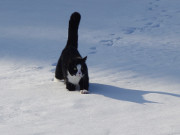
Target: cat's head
[[77, 67]]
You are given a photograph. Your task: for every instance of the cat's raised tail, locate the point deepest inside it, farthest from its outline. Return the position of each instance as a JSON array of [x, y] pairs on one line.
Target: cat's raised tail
[[73, 30]]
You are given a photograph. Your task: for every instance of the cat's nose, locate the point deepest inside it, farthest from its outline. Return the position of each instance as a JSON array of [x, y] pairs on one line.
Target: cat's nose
[[79, 73]]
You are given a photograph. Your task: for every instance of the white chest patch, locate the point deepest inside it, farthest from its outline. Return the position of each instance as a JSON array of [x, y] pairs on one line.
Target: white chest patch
[[74, 79]]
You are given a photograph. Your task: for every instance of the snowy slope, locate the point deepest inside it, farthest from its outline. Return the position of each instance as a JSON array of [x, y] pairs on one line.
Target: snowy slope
[[133, 60]]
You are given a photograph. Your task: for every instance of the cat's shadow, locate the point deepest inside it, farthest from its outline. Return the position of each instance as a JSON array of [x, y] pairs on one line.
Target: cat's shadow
[[130, 95]]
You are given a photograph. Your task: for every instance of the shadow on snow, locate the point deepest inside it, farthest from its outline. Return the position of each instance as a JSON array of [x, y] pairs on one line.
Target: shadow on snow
[[130, 95]]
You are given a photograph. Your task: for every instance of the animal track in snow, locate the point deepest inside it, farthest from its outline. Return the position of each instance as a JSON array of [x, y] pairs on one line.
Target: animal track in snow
[[93, 50], [107, 42], [129, 30], [111, 40], [54, 64]]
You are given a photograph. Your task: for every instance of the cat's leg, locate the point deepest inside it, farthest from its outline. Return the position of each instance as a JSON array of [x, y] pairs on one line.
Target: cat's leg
[[84, 85], [70, 86], [58, 72]]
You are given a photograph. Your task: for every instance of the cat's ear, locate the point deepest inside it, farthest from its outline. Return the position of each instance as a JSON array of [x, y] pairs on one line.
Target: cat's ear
[[84, 59]]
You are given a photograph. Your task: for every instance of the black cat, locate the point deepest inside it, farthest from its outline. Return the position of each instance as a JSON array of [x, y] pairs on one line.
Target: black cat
[[71, 66]]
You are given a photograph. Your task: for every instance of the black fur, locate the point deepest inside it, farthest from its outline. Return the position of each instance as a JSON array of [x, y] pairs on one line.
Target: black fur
[[70, 57]]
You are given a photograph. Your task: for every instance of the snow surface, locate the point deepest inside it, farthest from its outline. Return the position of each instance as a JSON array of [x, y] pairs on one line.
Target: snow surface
[[133, 59]]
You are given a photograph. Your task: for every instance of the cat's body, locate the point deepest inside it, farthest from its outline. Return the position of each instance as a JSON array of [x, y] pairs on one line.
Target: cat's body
[[71, 67]]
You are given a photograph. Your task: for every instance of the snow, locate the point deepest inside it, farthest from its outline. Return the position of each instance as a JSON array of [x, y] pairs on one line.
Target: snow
[[133, 61]]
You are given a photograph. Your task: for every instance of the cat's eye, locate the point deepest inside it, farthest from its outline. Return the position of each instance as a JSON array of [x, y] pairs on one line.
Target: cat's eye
[[75, 68]]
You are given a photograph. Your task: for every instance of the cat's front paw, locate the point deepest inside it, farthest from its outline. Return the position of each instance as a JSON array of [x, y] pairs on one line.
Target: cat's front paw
[[84, 91]]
